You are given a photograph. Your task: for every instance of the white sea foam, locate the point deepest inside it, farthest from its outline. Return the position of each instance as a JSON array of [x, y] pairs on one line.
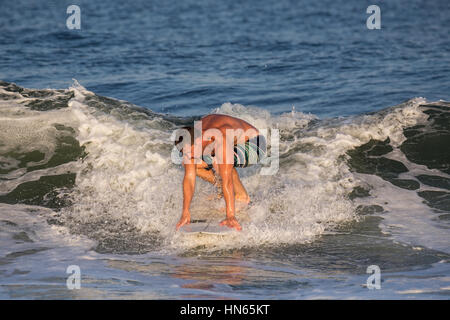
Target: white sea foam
[[24, 130], [127, 175], [32, 220]]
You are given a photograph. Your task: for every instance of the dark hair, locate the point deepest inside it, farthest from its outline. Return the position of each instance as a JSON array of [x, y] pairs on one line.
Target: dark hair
[[180, 143]]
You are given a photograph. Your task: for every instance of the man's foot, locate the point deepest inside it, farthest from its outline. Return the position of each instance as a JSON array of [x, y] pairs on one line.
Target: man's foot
[[231, 223], [244, 198], [238, 206], [185, 219], [214, 196]]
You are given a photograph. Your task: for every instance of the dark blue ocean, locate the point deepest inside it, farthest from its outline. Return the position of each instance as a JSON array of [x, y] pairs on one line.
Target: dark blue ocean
[[86, 117], [188, 57]]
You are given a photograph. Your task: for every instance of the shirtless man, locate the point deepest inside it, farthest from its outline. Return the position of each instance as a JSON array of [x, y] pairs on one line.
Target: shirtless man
[[222, 144]]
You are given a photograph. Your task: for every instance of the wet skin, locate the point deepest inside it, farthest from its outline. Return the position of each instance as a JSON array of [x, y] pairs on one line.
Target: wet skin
[[231, 184]]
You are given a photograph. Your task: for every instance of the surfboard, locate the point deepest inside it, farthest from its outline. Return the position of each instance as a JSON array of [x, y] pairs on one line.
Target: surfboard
[[205, 227]]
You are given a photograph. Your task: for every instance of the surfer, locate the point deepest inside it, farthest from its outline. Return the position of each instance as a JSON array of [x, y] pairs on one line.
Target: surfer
[[218, 144]]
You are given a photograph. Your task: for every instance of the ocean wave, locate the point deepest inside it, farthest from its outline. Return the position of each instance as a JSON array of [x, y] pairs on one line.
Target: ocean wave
[[104, 167]]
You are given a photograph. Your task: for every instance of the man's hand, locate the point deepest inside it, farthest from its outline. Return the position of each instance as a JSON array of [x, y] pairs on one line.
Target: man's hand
[[185, 219], [231, 223]]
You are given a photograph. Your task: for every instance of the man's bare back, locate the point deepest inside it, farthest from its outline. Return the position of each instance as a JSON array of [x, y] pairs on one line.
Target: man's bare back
[[223, 122], [213, 126]]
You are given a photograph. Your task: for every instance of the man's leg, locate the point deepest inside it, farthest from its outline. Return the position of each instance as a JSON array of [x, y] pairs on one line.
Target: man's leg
[[226, 174], [241, 194], [206, 175]]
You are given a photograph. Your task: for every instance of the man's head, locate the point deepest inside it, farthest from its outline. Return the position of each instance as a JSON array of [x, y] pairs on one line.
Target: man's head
[[186, 137]]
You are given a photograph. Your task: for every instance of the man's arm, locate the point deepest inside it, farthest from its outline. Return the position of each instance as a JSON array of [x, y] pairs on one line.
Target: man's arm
[[188, 192]]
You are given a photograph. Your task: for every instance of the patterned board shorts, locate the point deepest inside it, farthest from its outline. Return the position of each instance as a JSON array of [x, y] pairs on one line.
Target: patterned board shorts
[[246, 154]]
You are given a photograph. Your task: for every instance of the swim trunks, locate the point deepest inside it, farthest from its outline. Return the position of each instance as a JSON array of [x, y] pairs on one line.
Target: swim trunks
[[246, 154]]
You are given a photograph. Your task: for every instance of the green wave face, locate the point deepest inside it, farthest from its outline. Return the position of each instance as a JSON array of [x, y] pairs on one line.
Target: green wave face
[[425, 144]]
